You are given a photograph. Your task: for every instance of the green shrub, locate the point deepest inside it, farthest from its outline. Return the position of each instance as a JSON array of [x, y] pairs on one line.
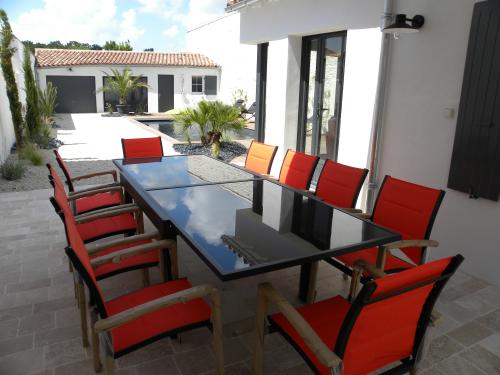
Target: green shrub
[[33, 118], [32, 153], [12, 170]]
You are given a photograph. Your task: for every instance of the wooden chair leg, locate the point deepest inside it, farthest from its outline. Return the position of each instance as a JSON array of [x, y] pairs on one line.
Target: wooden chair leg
[[96, 352], [109, 365], [355, 280], [311, 293], [140, 222], [146, 280], [174, 260], [218, 336], [260, 317], [82, 305]]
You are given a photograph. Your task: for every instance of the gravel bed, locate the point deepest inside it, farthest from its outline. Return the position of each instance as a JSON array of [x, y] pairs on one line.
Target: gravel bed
[[228, 151], [36, 177]]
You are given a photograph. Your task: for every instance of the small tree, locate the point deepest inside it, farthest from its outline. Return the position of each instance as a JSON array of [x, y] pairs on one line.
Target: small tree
[[111, 45], [32, 118], [122, 84], [6, 53]]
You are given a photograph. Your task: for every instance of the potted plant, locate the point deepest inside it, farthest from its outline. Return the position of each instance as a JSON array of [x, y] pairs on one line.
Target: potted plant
[[122, 84]]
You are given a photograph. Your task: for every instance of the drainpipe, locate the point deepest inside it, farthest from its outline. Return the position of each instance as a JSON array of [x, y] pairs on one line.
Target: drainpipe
[[378, 110]]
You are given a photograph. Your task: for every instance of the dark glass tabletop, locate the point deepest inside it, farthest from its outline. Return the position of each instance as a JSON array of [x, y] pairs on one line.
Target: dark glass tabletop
[[245, 228], [174, 171]]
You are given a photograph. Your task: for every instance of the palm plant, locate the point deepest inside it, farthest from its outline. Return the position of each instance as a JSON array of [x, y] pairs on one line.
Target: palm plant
[[122, 84]]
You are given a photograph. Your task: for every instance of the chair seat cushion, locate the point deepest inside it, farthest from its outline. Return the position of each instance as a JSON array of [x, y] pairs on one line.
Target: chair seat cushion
[[370, 255], [324, 317], [106, 227], [97, 201], [144, 260], [154, 325]]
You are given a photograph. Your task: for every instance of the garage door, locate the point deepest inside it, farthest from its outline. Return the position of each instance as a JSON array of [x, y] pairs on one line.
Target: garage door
[[75, 94]]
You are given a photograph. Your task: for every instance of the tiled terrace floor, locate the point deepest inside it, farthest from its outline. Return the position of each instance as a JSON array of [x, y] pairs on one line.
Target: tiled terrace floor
[[39, 324]]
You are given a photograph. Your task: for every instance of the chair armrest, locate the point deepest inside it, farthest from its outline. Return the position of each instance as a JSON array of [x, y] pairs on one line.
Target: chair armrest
[[104, 186], [183, 296], [96, 174], [112, 211], [106, 209], [410, 243], [353, 210], [310, 337], [92, 249], [271, 177], [363, 266], [118, 256], [89, 193]]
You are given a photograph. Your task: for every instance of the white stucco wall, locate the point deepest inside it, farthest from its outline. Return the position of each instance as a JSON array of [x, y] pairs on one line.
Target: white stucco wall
[[426, 71], [220, 41], [7, 136], [183, 96]]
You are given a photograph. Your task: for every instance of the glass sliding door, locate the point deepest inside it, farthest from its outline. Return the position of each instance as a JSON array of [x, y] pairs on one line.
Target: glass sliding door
[[322, 75]]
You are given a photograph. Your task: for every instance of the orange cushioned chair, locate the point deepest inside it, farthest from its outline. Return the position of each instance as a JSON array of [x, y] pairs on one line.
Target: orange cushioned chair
[[136, 319], [142, 147], [98, 224], [260, 157], [340, 184], [405, 208], [384, 326], [297, 169], [101, 198]]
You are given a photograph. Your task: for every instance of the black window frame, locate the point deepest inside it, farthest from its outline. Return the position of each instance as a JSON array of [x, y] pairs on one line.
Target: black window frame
[[193, 84]]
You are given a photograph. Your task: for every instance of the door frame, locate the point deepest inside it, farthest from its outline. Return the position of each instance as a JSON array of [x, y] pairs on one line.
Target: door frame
[[304, 88]]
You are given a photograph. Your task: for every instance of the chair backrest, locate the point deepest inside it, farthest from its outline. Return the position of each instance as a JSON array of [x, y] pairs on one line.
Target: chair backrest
[[387, 321], [408, 209], [297, 169], [142, 147], [65, 169], [340, 184], [79, 257], [260, 157]]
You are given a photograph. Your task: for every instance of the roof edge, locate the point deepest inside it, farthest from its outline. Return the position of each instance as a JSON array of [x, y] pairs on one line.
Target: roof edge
[[239, 5]]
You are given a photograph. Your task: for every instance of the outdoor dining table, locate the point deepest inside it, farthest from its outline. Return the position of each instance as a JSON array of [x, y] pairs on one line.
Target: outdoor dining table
[[242, 224]]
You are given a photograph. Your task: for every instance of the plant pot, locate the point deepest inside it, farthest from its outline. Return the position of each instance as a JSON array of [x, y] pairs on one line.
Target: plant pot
[[122, 109]]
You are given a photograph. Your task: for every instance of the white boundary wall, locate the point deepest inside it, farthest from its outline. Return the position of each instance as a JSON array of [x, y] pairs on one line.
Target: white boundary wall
[[183, 95], [7, 136]]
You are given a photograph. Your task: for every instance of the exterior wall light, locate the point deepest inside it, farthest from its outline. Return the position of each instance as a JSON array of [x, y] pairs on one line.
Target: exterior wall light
[[403, 25]]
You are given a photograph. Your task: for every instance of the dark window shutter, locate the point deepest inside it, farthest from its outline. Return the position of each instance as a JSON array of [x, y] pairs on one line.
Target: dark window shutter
[[210, 85], [475, 164]]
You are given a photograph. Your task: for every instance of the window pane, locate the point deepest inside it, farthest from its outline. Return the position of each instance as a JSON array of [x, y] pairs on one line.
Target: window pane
[[210, 85], [197, 84]]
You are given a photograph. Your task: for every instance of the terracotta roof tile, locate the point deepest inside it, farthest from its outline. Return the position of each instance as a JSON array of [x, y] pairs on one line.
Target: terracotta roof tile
[[63, 57]]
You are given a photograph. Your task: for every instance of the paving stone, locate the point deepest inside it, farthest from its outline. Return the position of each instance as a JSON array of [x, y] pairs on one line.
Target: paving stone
[[164, 366], [148, 353], [21, 363], [76, 368], [36, 323], [492, 343], [469, 333], [15, 345], [483, 358], [28, 285], [476, 303], [195, 361], [53, 305], [64, 352], [52, 336], [192, 339], [442, 347], [458, 366], [457, 312], [67, 317], [491, 320], [8, 328], [15, 312], [235, 351]]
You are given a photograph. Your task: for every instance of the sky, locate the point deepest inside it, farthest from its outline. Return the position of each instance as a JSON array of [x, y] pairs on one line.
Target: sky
[[160, 24]]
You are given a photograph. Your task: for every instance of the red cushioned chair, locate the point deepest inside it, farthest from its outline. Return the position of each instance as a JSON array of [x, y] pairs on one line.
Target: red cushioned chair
[[340, 184], [142, 147], [87, 200], [408, 209], [260, 157], [385, 325], [297, 169], [136, 319], [124, 219]]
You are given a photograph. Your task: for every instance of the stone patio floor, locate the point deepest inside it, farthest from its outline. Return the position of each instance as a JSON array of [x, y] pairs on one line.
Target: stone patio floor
[[39, 323]]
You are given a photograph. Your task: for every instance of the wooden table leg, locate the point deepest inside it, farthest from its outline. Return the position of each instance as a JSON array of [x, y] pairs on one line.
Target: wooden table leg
[[307, 286]]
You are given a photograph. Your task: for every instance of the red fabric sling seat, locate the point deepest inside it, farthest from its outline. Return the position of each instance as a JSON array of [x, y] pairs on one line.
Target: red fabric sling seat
[[370, 345], [144, 329], [297, 169], [340, 184], [260, 157], [142, 147], [405, 208]]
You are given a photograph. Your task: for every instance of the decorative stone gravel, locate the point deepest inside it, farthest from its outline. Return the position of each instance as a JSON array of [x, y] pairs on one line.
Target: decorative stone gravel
[[228, 151]]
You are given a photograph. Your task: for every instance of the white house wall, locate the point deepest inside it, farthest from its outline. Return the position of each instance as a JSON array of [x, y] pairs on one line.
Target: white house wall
[[7, 135], [220, 41], [183, 97], [426, 71]]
